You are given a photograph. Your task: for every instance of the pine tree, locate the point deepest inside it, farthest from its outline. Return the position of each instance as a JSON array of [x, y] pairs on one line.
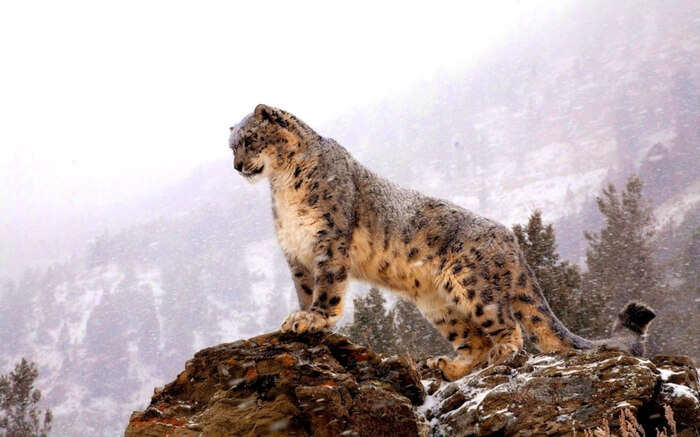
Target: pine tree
[[372, 325], [15, 311], [416, 336], [678, 326], [19, 413], [690, 263], [689, 293], [619, 257], [560, 281]]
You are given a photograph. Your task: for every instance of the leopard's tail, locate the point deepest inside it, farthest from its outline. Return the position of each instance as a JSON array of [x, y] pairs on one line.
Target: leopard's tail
[[549, 334]]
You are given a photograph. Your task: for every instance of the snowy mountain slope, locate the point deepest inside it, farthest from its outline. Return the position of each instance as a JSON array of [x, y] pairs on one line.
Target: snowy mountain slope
[[671, 212], [542, 122], [111, 334]]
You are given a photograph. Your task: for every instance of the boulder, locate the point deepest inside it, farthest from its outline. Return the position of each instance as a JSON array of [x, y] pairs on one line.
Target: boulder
[[281, 385], [324, 385]]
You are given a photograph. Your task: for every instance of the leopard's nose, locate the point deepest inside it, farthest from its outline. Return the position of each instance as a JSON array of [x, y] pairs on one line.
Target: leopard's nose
[[239, 166]]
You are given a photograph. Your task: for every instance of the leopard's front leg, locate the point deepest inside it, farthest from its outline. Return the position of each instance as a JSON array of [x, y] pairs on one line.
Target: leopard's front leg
[[330, 277], [303, 282]]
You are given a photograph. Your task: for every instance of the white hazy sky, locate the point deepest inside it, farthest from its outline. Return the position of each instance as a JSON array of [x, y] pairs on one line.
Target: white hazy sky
[[102, 99]]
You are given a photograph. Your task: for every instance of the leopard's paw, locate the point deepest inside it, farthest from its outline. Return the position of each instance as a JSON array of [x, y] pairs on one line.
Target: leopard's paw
[[438, 363], [304, 321], [451, 369], [502, 353]]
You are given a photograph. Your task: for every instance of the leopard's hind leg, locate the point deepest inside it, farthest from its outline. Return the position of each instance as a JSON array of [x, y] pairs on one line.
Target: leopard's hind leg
[[480, 292], [470, 343]]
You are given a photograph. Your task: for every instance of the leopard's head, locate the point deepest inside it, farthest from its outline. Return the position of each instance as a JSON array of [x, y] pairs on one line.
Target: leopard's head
[[265, 142]]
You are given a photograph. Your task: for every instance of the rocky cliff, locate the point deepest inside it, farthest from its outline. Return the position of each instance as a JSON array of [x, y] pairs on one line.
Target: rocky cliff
[[324, 385]]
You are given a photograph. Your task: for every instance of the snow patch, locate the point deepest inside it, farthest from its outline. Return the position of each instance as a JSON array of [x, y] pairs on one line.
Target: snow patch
[[666, 373], [682, 391]]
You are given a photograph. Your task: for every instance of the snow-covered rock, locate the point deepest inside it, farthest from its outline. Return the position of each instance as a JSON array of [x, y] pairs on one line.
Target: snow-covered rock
[[323, 385]]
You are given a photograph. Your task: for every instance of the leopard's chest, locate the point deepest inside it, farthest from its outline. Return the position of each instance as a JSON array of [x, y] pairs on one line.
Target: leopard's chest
[[296, 226]]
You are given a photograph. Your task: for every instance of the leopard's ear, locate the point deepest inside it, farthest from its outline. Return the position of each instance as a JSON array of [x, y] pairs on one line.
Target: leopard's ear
[[281, 120], [264, 112], [273, 115]]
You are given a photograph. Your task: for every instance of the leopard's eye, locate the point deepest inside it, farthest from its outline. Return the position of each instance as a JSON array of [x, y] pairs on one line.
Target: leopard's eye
[[247, 141]]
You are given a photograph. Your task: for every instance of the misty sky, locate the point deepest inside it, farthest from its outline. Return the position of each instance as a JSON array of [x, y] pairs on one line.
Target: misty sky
[[104, 100]]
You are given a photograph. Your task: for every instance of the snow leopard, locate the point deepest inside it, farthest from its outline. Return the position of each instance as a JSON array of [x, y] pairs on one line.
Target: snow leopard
[[336, 220]]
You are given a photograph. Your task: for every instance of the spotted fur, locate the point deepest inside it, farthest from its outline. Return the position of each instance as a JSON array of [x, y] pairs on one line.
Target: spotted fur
[[336, 220]]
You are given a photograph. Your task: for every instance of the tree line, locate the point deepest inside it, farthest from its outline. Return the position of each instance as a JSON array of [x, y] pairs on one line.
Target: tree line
[[620, 266]]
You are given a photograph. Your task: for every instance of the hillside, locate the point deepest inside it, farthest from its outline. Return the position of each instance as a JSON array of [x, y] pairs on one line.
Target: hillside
[[542, 121]]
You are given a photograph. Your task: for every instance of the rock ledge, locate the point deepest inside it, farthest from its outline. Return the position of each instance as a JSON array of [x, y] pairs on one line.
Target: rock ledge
[[324, 385]]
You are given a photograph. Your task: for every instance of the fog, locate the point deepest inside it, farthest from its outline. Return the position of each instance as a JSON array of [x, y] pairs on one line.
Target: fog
[[103, 104], [127, 242]]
